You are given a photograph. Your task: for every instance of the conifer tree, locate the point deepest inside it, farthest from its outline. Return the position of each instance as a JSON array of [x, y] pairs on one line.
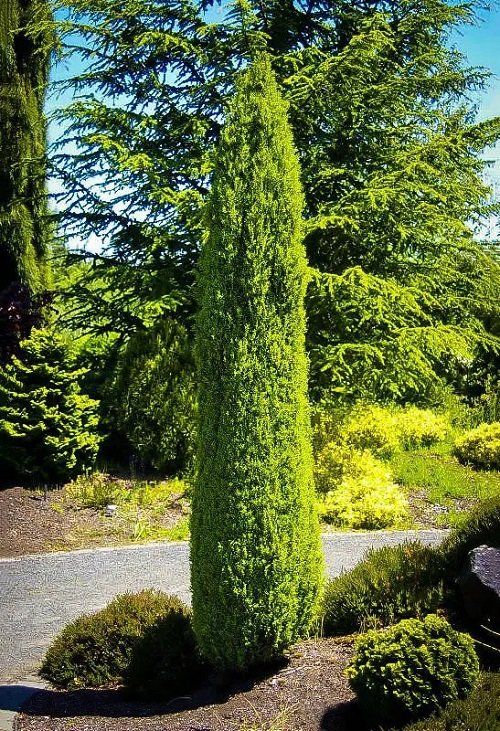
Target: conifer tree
[[48, 428], [256, 558], [391, 152], [23, 202]]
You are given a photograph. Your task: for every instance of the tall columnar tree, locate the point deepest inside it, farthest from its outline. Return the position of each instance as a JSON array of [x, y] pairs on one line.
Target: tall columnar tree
[[256, 558], [24, 63]]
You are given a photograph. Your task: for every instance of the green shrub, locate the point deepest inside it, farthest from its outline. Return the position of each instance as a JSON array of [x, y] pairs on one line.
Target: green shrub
[[95, 649], [480, 447], [48, 428], [420, 427], [366, 496], [412, 669], [391, 583], [165, 661], [372, 427], [153, 397], [257, 565], [481, 527], [480, 711]]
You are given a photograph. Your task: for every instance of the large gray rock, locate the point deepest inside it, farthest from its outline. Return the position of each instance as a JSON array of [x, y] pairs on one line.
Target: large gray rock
[[480, 586]]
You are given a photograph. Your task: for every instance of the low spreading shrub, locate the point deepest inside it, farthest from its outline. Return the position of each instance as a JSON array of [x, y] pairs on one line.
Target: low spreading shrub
[[480, 711], [366, 496], [481, 527], [480, 447], [412, 669], [165, 660], [391, 583], [420, 427], [96, 649], [374, 428], [332, 462]]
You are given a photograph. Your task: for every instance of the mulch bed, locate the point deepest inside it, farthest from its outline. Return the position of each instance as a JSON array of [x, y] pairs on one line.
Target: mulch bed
[[31, 522], [28, 524], [310, 693]]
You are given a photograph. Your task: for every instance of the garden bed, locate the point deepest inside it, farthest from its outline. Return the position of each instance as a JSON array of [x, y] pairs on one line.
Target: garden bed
[[310, 692], [31, 522]]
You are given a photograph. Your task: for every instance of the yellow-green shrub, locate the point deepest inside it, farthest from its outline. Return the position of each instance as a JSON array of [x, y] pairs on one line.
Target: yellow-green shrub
[[374, 428], [420, 427], [480, 447], [366, 497], [331, 463]]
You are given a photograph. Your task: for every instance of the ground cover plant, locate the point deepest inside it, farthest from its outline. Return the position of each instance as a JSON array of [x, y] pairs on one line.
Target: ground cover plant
[[145, 509], [479, 712], [390, 584], [256, 560], [441, 489]]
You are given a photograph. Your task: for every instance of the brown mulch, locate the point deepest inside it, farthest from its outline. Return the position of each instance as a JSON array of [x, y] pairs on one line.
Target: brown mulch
[[28, 523], [309, 693], [31, 522]]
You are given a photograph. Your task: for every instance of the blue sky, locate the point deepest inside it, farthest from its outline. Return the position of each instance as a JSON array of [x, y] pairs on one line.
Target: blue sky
[[481, 45]]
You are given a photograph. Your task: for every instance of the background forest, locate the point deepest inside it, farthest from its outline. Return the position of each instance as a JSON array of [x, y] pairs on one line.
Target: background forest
[[402, 302]]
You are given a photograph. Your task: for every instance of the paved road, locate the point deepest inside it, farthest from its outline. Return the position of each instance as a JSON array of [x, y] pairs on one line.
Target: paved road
[[39, 594]]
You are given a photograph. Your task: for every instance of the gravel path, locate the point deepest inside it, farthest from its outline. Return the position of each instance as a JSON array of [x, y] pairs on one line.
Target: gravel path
[[39, 594]]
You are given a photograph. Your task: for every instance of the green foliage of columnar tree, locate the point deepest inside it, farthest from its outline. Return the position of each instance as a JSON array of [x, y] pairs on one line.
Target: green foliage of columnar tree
[[24, 64], [48, 428], [255, 551]]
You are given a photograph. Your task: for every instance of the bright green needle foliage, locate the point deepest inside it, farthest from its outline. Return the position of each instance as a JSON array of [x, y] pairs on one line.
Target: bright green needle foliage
[[23, 201], [256, 559], [47, 426]]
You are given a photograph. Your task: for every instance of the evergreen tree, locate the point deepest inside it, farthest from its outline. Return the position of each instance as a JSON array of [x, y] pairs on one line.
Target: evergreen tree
[[24, 63], [388, 143], [47, 426], [255, 550]]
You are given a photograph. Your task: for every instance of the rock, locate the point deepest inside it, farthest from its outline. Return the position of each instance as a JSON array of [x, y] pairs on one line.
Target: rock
[[480, 585]]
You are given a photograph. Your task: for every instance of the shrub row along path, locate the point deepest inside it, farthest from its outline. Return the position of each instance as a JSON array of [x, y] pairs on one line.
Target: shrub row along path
[[39, 594]]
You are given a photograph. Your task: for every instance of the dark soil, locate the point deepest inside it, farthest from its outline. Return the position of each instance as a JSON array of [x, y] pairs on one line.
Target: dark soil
[[28, 523], [32, 522], [309, 693]]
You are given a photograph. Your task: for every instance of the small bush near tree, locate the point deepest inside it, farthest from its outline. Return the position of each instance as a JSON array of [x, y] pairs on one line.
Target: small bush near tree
[[48, 428], [165, 661], [256, 560], [366, 495], [480, 447], [96, 649], [412, 669], [390, 584]]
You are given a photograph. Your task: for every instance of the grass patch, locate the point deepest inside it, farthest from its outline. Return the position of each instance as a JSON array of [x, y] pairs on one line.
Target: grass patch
[[435, 477]]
